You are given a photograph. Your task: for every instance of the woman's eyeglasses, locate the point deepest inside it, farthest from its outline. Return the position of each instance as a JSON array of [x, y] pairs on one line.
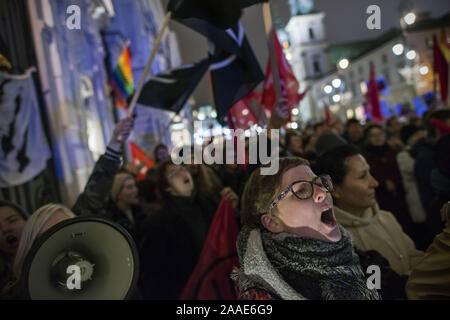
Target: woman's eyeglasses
[[304, 189]]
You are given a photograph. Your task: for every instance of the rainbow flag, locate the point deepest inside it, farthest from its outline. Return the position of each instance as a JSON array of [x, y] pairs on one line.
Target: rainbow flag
[[122, 78]]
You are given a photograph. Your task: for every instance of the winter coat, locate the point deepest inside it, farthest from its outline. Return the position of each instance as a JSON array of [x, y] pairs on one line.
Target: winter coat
[[441, 186], [95, 199], [379, 230], [383, 167], [406, 167], [430, 279], [423, 153], [172, 241]]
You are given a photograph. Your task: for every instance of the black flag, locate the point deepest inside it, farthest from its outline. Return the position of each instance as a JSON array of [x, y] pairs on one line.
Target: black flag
[[233, 74], [170, 89], [221, 13]]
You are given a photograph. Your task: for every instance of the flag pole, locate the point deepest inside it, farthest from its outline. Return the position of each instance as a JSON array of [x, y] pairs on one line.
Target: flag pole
[[149, 63], [269, 28]]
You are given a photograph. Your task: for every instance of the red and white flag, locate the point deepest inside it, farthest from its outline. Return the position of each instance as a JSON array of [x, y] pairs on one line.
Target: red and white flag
[[137, 157], [288, 81]]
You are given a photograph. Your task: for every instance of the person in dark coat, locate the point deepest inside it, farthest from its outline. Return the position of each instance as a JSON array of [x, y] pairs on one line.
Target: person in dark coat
[[173, 238], [440, 181], [109, 193], [384, 168], [437, 124]]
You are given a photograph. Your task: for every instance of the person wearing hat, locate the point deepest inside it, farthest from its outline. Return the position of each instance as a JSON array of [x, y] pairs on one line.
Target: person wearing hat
[[12, 221], [410, 135]]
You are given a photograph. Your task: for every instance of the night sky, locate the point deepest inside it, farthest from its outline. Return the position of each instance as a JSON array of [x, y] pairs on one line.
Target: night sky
[[345, 21]]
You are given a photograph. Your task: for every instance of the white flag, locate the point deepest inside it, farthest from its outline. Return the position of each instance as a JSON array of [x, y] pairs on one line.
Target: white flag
[[23, 147]]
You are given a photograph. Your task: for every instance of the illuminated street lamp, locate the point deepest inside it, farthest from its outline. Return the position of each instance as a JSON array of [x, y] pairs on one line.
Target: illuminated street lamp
[[343, 64], [398, 49], [409, 18], [336, 83], [423, 70], [328, 89], [411, 55]]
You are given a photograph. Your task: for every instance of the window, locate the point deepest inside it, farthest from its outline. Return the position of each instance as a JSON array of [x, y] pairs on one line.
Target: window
[[316, 66], [311, 34]]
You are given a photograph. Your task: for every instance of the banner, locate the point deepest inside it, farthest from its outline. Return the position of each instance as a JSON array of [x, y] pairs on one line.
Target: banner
[[24, 150]]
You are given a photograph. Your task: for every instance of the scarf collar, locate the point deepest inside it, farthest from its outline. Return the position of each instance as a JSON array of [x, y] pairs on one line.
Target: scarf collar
[[293, 268]]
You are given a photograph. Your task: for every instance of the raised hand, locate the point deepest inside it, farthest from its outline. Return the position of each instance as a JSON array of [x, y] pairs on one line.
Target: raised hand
[[121, 133], [231, 196], [280, 114]]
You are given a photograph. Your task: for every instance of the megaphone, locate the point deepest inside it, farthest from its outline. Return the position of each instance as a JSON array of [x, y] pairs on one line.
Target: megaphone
[[85, 258]]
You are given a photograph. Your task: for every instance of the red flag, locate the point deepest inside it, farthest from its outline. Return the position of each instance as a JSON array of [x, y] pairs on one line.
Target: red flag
[[210, 279], [289, 84], [241, 115], [328, 118], [373, 102], [441, 68], [137, 157]]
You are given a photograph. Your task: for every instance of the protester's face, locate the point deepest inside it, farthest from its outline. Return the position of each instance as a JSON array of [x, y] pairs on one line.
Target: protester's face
[[311, 218], [179, 180], [355, 132], [338, 129], [357, 190], [11, 225], [395, 127], [416, 137], [296, 144], [129, 193], [57, 217], [319, 130], [162, 154], [376, 137]]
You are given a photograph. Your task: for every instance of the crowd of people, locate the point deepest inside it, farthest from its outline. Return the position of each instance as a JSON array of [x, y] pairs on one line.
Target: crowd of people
[[346, 197]]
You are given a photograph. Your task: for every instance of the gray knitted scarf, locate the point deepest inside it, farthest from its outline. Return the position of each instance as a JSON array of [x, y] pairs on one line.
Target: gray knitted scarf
[[318, 269]]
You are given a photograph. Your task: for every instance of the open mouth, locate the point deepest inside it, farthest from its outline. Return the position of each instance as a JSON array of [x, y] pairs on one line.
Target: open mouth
[[12, 241], [186, 180], [327, 217]]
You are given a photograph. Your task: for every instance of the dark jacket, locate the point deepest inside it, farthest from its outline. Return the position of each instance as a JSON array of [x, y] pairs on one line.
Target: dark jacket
[[441, 186], [172, 242], [392, 285], [95, 199], [423, 153], [383, 167]]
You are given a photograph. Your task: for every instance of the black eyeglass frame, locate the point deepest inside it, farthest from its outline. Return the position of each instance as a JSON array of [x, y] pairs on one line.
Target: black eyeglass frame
[[313, 182]]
